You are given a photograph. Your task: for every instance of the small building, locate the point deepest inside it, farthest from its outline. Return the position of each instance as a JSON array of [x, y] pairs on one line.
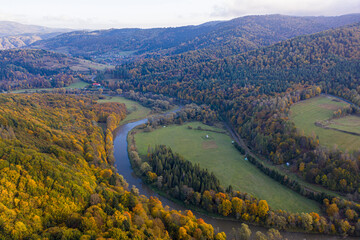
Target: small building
[[96, 84]]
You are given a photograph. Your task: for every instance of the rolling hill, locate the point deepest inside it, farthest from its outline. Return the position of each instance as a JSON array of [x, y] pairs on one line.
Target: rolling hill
[[17, 35], [27, 68], [222, 38], [331, 56]]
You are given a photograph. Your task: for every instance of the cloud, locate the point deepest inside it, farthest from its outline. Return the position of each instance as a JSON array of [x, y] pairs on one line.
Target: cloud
[[234, 8], [76, 22]]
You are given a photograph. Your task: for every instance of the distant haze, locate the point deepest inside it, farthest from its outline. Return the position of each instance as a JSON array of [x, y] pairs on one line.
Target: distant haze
[[95, 14]]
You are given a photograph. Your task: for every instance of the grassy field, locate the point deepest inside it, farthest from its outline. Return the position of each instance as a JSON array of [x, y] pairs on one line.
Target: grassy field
[[306, 113], [135, 110], [217, 154], [78, 84], [348, 123], [84, 66]]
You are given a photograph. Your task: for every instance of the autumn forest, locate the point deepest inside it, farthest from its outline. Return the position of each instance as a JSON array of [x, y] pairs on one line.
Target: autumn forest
[[277, 97]]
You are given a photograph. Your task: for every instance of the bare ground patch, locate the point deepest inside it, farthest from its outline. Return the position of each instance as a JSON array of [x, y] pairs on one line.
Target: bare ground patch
[[329, 106], [209, 145]]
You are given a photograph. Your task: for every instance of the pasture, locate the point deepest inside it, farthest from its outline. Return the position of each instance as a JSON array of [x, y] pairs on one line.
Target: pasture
[[348, 123], [306, 113], [78, 84], [217, 154], [135, 111]]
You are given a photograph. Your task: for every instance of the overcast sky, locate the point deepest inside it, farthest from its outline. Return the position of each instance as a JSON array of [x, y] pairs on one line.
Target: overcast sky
[[95, 14]]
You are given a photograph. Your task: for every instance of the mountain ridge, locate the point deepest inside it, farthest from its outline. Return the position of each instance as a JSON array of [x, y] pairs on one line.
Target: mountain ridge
[[11, 28], [234, 36], [17, 35]]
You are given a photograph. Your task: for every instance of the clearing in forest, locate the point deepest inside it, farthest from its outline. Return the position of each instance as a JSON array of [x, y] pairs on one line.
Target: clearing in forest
[[343, 132]]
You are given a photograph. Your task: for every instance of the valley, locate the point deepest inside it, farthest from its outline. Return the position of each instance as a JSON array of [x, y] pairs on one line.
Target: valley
[[252, 121]]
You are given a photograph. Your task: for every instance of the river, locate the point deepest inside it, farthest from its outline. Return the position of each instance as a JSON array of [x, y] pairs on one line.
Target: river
[[123, 166]]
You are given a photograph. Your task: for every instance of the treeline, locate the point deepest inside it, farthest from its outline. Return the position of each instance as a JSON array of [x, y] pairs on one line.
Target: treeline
[[345, 209], [156, 102], [284, 179], [176, 172], [189, 112], [240, 205], [244, 233], [267, 129], [345, 111], [57, 183]]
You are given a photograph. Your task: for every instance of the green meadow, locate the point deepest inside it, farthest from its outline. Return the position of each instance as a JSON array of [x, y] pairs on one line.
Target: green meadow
[[135, 110], [217, 154], [306, 113]]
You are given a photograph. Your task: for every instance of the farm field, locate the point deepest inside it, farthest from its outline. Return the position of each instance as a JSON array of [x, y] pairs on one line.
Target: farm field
[[218, 155], [306, 113], [135, 110]]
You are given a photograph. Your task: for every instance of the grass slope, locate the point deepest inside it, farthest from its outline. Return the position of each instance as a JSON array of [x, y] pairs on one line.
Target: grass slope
[[134, 109], [84, 66], [218, 155], [78, 84], [306, 113]]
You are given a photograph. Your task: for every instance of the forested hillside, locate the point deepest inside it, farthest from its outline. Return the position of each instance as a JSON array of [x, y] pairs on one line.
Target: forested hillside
[[33, 69], [333, 54], [218, 39], [21, 69], [57, 179]]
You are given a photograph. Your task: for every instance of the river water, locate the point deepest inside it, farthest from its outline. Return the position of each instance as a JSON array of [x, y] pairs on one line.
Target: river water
[[123, 167]]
